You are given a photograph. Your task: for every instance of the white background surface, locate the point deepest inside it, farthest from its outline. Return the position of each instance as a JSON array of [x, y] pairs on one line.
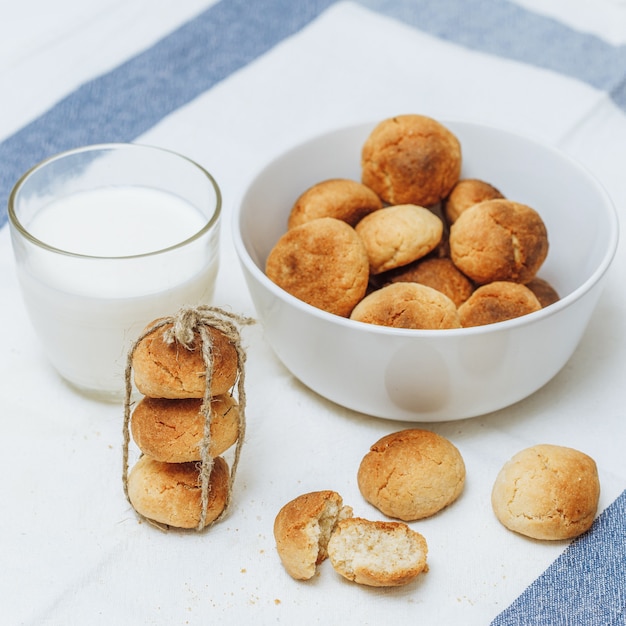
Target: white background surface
[[73, 551]]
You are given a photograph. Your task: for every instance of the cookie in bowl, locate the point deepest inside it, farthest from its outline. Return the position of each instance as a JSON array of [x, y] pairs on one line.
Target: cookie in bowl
[[499, 240], [411, 159], [387, 371], [341, 198], [323, 263], [408, 305]]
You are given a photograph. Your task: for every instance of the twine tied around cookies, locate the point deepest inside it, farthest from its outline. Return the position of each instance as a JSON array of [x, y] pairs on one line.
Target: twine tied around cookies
[[182, 328]]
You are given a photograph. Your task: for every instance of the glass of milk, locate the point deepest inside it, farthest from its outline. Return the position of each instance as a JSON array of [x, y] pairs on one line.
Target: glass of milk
[[108, 238]]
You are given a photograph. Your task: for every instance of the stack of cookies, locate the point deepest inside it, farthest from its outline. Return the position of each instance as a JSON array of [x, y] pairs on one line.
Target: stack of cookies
[[186, 420]]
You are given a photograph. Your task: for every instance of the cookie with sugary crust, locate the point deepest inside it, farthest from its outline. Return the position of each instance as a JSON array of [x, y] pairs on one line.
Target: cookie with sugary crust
[[547, 492], [323, 263], [172, 431], [169, 370], [411, 159], [466, 193], [302, 530], [397, 235], [411, 474], [545, 292], [497, 302], [341, 198], [499, 240], [440, 273], [407, 305], [171, 493]]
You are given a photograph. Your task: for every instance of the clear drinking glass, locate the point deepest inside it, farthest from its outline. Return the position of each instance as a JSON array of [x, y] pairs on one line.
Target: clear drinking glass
[[106, 239]]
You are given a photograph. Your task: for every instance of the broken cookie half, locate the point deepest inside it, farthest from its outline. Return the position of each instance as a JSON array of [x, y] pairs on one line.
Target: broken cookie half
[[317, 525], [302, 530], [378, 554]]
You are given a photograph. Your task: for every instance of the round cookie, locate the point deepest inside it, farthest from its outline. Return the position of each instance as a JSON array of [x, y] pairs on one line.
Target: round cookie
[[440, 273], [171, 493], [302, 530], [545, 292], [323, 263], [466, 193], [499, 240], [378, 554], [411, 159], [547, 492], [397, 235], [163, 370], [341, 198], [411, 474], [407, 305], [497, 302], [172, 430]]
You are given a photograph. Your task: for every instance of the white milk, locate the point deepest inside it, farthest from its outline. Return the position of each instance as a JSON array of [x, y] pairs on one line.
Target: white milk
[[116, 221], [87, 311]]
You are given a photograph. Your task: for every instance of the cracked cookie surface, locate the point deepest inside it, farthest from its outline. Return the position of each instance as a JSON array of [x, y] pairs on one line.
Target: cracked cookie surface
[[411, 159], [397, 235], [172, 430], [411, 474], [440, 273], [408, 305], [499, 240], [547, 492], [302, 530], [497, 302], [163, 370], [466, 193], [341, 198], [171, 493], [323, 263]]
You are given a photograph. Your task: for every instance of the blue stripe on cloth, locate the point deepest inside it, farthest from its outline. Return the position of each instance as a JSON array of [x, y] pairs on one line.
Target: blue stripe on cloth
[[132, 98], [505, 29], [585, 586], [129, 100], [121, 105]]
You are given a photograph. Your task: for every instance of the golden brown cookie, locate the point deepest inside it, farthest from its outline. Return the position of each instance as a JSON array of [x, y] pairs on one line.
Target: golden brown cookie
[[173, 430], [497, 302], [545, 292], [378, 554], [171, 493], [440, 273], [547, 492], [397, 235], [407, 305], [163, 370], [499, 240], [411, 159], [411, 474], [341, 198], [302, 530], [466, 193], [323, 263]]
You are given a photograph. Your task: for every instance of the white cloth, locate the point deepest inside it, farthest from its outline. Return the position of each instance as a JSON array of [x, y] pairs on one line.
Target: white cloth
[[73, 551]]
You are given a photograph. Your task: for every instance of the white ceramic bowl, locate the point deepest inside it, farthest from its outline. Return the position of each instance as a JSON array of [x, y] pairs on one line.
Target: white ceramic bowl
[[434, 375]]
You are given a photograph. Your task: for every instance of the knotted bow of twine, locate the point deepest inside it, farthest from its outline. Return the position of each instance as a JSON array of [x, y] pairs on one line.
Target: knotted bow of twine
[[182, 328]]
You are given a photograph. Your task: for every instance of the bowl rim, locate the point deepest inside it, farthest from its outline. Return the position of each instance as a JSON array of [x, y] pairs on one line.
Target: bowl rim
[[609, 210]]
